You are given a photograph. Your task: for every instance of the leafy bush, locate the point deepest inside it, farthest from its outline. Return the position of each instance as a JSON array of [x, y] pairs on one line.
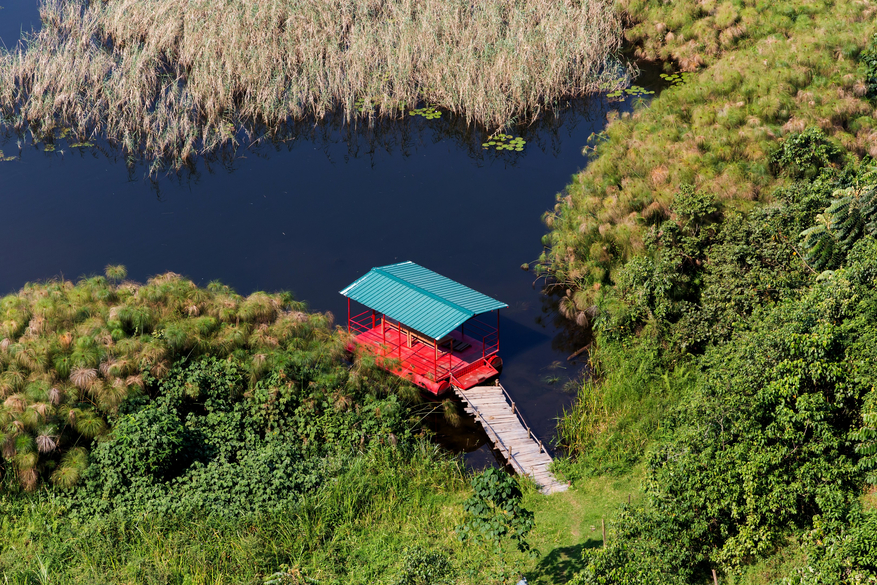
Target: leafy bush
[[201, 444], [869, 60], [851, 215], [840, 551], [422, 567], [494, 511], [805, 154], [765, 444]]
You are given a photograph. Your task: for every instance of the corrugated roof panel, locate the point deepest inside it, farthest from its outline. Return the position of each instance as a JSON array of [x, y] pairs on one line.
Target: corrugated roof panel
[[419, 298]]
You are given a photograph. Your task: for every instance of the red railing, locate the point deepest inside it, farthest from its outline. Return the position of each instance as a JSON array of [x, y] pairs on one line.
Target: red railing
[[488, 334], [429, 365], [424, 360]]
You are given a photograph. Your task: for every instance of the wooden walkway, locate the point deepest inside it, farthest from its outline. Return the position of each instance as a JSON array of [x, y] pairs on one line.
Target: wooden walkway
[[497, 413]]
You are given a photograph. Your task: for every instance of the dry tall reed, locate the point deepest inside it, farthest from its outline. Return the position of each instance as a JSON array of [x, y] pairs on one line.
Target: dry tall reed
[[180, 77]]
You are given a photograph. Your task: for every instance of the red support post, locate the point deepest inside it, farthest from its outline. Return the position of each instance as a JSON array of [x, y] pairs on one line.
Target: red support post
[[435, 360], [348, 315], [373, 318], [497, 330], [451, 359]]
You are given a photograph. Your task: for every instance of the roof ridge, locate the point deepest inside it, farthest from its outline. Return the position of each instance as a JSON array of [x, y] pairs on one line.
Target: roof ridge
[[431, 295]]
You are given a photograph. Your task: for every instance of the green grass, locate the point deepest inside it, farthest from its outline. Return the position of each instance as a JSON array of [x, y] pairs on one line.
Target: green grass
[[622, 409], [354, 531], [569, 522]]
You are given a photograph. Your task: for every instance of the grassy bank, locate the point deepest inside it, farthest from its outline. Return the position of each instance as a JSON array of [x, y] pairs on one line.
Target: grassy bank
[[722, 245], [166, 433], [355, 530], [181, 77], [763, 74]]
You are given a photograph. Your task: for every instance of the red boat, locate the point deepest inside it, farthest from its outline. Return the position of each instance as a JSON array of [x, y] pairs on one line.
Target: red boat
[[425, 327]]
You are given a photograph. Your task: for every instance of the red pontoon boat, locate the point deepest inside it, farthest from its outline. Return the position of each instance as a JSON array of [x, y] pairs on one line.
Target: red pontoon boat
[[425, 327]]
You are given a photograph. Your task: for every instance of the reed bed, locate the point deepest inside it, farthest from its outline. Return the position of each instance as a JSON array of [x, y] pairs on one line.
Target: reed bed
[[179, 77]]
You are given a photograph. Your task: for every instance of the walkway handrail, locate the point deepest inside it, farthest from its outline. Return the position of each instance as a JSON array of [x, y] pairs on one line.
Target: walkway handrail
[[517, 412]]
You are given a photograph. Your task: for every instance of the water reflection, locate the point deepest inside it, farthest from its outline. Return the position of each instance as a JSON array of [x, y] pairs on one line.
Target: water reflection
[[366, 139]]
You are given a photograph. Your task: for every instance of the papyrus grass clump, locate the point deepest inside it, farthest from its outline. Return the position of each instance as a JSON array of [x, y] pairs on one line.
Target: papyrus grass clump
[[182, 76], [72, 353], [716, 131]]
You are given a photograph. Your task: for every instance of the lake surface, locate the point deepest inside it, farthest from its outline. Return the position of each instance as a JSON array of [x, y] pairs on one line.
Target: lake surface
[[314, 213]]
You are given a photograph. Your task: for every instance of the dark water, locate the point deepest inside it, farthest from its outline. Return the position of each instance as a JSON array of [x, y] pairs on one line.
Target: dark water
[[17, 16], [312, 214]]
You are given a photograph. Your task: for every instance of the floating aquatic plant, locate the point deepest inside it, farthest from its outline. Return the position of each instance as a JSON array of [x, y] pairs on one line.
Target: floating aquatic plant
[[633, 90], [5, 158], [430, 113], [363, 105], [677, 78], [505, 142], [81, 144]]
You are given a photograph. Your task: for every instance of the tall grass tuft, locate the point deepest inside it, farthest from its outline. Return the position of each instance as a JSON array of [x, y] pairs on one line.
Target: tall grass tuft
[[180, 77]]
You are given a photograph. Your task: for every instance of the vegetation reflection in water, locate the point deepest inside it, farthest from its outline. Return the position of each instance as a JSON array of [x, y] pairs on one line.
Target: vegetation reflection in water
[[361, 138]]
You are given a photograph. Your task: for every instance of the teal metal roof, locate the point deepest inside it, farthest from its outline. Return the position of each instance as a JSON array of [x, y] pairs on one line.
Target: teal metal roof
[[419, 298]]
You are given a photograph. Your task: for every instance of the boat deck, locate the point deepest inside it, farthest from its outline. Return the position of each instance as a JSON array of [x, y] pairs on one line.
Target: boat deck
[[426, 365]]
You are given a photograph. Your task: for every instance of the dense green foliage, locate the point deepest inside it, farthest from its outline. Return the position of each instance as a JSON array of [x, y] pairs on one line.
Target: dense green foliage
[[201, 446], [72, 354], [869, 61], [422, 567], [764, 443], [494, 512]]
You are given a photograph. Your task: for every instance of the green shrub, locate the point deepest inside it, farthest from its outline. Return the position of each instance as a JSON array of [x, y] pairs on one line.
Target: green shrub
[[494, 512], [765, 444], [203, 445], [422, 567], [869, 60], [804, 155]]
